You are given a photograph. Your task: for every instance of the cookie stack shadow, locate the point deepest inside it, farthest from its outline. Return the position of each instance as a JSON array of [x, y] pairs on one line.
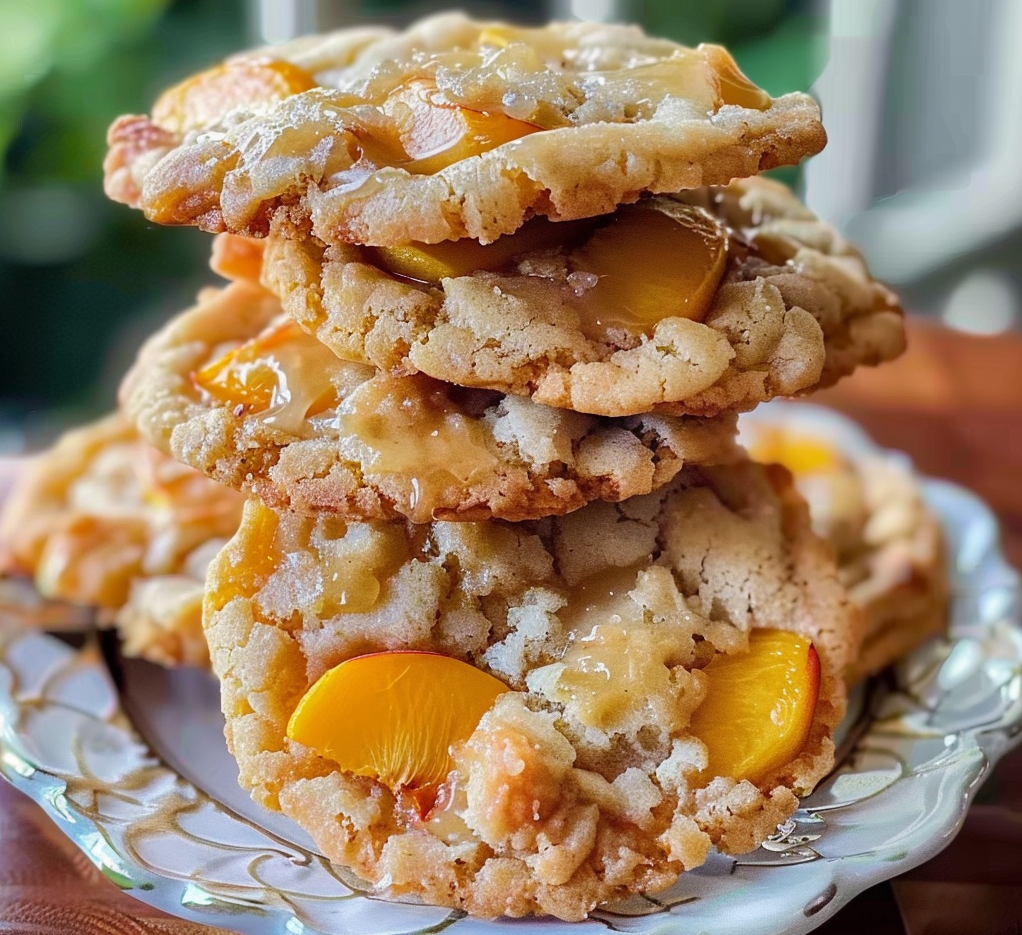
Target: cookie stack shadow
[[495, 299]]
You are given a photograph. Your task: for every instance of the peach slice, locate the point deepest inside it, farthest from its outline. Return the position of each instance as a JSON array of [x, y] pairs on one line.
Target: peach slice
[[800, 454], [759, 706], [648, 265], [393, 716], [735, 88], [253, 557], [430, 263], [437, 132], [237, 258], [206, 97], [249, 375], [265, 373]]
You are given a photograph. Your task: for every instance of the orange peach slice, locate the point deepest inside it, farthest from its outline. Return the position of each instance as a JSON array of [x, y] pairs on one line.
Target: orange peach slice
[[647, 265], [206, 97], [759, 706], [437, 132], [265, 372], [394, 715], [249, 375], [430, 263], [253, 559], [735, 88]]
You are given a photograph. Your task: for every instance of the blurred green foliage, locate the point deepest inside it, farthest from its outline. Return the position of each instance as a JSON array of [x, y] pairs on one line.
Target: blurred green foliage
[[68, 38], [75, 269]]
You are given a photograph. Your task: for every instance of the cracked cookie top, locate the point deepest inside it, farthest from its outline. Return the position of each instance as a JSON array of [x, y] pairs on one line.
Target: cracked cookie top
[[451, 129], [589, 778], [237, 390], [103, 519], [700, 302]]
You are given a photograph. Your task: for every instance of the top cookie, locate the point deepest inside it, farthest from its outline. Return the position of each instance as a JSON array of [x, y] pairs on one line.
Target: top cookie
[[451, 129]]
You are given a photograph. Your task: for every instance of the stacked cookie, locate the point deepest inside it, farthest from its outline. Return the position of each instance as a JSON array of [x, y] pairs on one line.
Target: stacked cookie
[[510, 622], [104, 520], [869, 507]]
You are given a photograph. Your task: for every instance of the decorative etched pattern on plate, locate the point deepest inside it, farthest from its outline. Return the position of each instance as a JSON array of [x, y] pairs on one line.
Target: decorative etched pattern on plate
[[932, 731]]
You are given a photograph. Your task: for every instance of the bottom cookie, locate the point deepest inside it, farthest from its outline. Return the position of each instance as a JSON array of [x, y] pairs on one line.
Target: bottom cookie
[[591, 702]]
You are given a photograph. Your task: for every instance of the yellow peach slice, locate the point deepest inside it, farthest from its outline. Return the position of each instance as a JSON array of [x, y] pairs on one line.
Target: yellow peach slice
[[437, 132], [248, 375], [431, 263], [393, 716], [759, 706], [647, 265], [800, 454], [205, 98]]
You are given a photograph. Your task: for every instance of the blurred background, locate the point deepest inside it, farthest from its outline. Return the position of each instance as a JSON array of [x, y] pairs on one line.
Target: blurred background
[[922, 100]]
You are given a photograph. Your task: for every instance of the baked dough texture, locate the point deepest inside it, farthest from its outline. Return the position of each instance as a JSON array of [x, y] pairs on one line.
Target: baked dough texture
[[888, 543], [796, 310], [316, 130], [556, 807], [341, 438], [102, 519]]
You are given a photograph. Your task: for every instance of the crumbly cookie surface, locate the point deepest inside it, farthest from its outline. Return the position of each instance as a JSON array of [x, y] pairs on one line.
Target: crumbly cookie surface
[[346, 131], [235, 389], [576, 787], [102, 519], [789, 308], [888, 543]]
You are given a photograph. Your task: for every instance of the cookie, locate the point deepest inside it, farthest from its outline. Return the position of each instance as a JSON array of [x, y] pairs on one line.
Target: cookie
[[887, 541], [102, 519], [451, 129], [583, 782], [235, 389], [699, 303]]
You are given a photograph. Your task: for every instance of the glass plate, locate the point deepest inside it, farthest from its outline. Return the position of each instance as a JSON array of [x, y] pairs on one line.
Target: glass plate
[[129, 761]]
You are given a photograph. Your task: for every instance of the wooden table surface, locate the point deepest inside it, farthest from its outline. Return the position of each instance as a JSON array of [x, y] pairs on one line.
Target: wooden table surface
[[954, 403]]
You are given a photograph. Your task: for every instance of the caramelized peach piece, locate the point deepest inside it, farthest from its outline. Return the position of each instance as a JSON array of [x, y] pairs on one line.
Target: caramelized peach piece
[[249, 374], [206, 97], [437, 132], [735, 88], [800, 454], [759, 706], [261, 556], [394, 716], [430, 263], [265, 372], [237, 258], [648, 265]]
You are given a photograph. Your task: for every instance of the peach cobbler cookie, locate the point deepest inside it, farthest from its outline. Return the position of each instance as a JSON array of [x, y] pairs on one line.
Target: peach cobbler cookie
[[574, 709], [103, 519], [887, 541], [451, 129], [697, 303], [235, 389]]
